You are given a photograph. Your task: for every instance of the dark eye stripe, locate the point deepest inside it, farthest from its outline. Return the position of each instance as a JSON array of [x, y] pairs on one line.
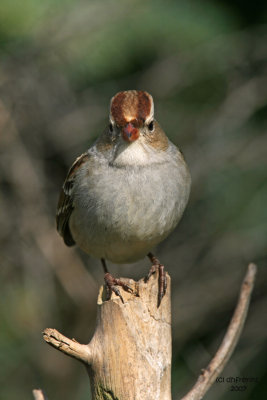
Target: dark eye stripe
[[151, 126]]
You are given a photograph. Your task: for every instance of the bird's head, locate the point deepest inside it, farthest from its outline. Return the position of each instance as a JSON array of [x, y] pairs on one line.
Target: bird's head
[[131, 114]]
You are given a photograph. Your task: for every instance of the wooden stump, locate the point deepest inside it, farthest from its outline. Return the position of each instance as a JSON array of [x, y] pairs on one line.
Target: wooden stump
[[129, 356]]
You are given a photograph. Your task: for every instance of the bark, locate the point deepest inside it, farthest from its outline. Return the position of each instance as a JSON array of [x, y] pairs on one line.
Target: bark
[[129, 356]]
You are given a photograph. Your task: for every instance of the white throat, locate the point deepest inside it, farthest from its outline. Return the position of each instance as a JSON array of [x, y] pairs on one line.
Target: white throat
[[135, 153], [138, 153]]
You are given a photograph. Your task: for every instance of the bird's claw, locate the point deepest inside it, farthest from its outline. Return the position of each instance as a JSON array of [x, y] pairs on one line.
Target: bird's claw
[[112, 284], [162, 282]]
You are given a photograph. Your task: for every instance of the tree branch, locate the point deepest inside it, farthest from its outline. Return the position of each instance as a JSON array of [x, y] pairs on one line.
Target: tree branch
[[68, 346], [130, 352], [229, 342], [38, 394]]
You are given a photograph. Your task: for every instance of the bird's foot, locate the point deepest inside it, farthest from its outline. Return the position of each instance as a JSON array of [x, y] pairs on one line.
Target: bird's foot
[[156, 265], [112, 284]]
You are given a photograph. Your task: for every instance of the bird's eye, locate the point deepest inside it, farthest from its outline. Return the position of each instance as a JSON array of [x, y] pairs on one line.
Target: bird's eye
[[151, 126], [110, 127]]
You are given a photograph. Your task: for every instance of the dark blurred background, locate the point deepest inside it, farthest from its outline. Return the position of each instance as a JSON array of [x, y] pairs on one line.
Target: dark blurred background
[[205, 63]]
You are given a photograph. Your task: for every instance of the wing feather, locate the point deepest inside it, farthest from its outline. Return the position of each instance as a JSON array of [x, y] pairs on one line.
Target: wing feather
[[65, 202]]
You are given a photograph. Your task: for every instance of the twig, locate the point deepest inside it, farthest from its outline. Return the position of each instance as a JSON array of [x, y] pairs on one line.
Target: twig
[[209, 374], [68, 346], [38, 394]]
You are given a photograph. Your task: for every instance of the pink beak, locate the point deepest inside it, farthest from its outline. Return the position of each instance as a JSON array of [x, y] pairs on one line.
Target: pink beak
[[130, 133]]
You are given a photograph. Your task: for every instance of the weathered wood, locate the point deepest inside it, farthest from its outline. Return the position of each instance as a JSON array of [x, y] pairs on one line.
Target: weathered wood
[[129, 356], [38, 394]]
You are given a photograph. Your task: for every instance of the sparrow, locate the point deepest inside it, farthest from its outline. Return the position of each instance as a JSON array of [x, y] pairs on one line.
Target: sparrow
[[127, 192]]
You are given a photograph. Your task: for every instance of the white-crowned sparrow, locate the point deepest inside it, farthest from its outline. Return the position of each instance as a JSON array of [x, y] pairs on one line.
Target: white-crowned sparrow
[[127, 192]]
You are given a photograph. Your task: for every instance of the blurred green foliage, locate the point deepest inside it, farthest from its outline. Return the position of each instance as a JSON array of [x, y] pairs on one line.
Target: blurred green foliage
[[205, 63]]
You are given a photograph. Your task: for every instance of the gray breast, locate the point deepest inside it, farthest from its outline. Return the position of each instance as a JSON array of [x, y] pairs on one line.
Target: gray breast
[[131, 203]]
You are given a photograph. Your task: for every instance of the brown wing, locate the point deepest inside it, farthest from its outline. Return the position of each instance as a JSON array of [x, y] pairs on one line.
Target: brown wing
[[65, 202]]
